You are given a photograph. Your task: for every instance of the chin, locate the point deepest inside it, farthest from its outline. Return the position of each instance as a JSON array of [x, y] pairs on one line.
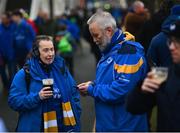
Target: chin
[[48, 63]]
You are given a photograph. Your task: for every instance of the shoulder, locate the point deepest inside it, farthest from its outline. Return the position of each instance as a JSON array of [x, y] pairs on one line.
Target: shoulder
[[59, 62], [127, 49], [158, 38], [20, 74], [131, 56]]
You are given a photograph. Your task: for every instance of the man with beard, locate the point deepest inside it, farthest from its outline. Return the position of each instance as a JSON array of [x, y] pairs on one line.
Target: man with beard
[[119, 70]]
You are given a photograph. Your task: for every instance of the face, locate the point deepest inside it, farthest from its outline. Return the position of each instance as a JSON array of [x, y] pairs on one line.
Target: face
[[5, 19], [16, 19], [46, 50], [174, 46], [100, 37]]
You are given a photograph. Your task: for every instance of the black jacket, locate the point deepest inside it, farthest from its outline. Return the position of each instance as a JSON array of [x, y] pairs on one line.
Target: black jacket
[[167, 99]]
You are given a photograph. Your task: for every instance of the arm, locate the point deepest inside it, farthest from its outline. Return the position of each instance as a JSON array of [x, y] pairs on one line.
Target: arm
[[123, 82], [114, 92], [19, 99], [143, 98], [138, 102]]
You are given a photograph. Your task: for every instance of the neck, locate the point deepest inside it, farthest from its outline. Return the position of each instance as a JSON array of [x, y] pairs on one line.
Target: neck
[[45, 67]]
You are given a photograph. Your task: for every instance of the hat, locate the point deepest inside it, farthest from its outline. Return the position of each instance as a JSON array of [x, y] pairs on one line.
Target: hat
[[175, 10], [61, 33], [174, 29]]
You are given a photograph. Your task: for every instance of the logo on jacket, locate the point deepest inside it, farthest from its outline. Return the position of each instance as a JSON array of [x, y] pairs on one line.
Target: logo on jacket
[[56, 93], [109, 60]]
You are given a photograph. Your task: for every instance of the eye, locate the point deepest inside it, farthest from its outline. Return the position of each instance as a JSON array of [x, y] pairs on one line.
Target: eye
[[52, 49], [45, 50]]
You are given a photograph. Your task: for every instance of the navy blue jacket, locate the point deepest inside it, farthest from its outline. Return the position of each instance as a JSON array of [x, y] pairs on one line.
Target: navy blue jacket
[[158, 51]]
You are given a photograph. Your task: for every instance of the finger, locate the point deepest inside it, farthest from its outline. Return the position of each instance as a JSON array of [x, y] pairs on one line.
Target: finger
[[88, 82], [150, 74], [82, 84], [82, 88], [146, 89], [149, 87], [46, 88], [48, 92], [152, 85], [48, 95]]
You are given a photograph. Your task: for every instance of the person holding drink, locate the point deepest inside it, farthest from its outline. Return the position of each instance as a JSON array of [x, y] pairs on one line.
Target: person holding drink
[[50, 102], [161, 87]]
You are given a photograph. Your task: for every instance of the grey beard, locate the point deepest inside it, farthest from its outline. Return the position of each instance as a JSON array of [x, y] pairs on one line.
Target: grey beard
[[102, 48]]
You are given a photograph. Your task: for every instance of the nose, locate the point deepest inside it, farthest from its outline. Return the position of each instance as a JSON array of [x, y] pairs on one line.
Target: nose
[[172, 46], [51, 52]]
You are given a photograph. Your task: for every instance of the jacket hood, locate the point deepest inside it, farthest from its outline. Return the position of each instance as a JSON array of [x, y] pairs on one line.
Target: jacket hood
[[36, 70], [130, 39]]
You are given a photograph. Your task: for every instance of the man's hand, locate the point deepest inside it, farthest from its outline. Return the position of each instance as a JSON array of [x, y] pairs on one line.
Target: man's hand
[[150, 84], [45, 93], [83, 88]]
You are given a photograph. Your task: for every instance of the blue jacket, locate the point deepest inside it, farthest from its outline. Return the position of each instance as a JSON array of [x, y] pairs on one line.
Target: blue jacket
[[6, 41], [29, 105], [24, 36], [121, 67]]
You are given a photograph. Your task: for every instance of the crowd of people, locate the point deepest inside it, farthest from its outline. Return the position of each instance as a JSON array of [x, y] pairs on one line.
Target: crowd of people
[[41, 88]]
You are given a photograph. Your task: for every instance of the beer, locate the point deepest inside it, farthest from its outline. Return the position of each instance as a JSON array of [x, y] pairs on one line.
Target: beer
[[160, 74], [48, 83]]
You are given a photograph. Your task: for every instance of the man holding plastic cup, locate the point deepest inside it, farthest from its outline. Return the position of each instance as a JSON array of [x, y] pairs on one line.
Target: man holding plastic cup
[[166, 94], [49, 100]]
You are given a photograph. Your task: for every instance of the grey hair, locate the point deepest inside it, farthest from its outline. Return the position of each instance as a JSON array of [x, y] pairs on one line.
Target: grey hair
[[103, 19]]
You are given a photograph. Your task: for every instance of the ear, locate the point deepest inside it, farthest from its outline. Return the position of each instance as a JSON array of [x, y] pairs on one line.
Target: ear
[[109, 31]]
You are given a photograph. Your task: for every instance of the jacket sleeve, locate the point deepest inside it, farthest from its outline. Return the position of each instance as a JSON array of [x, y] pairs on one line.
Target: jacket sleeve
[[19, 99], [122, 83], [138, 102]]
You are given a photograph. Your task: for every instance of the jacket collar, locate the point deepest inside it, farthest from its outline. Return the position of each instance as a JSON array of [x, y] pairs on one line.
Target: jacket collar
[[117, 37]]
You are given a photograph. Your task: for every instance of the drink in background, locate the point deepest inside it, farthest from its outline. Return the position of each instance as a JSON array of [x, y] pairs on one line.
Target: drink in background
[[48, 83], [160, 74]]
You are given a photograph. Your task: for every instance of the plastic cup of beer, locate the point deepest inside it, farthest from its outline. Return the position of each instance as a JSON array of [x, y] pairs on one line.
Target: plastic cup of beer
[[160, 74], [48, 83]]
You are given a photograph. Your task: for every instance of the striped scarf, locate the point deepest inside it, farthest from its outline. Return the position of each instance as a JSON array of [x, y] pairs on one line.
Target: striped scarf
[[50, 118]]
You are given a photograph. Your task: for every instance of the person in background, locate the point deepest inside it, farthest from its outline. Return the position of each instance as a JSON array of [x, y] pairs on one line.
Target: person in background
[[163, 94], [7, 50], [119, 70], [24, 36], [29, 21], [135, 18], [153, 25], [44, 108], [65, 45], [158, 52]]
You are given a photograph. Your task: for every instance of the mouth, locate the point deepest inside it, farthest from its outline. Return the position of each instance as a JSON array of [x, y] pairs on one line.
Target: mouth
[[49, 59]]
